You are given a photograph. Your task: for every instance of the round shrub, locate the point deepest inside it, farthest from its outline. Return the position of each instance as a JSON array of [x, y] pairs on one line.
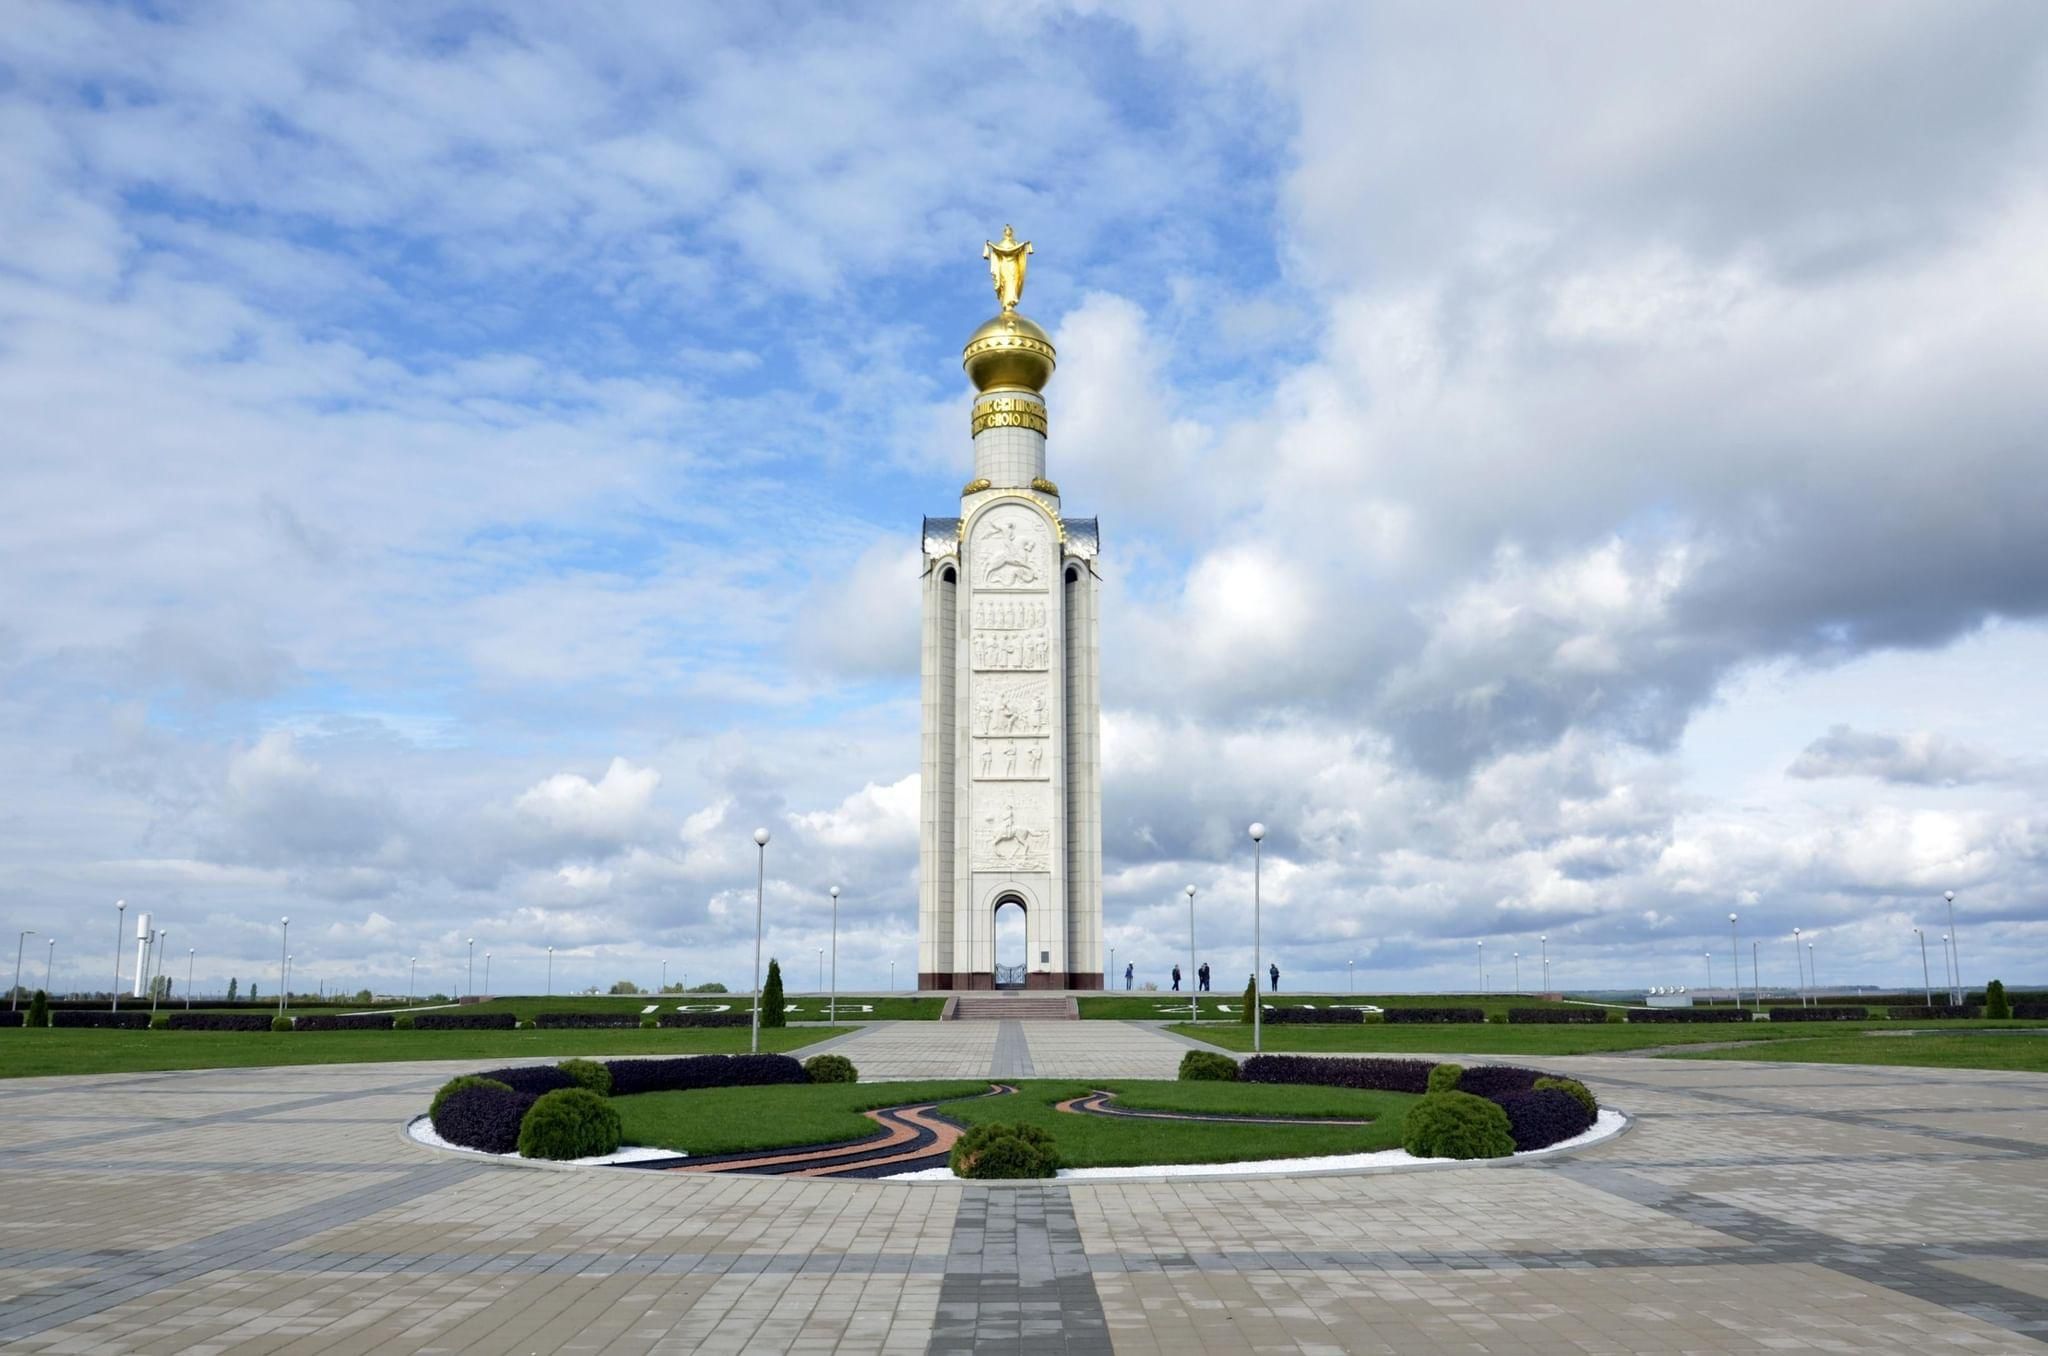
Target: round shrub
[[1538, 1120], [402, 1022], [831, 1069], [650, 1023], [280, 1023], [159, 1021], [996, 1152], [569, 1123], [589, 1074], [486, 1118], [1457, 1125], [1616, 1017], [1578, 1091], [1206, 1066], [1497, 1019], [1444, 1077], [455, 1085]]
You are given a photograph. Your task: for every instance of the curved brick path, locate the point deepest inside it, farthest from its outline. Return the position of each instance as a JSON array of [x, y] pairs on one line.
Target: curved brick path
[[1756, 1207]]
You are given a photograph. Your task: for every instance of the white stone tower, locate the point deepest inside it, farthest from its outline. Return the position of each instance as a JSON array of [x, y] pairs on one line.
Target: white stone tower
[[1012, 756]]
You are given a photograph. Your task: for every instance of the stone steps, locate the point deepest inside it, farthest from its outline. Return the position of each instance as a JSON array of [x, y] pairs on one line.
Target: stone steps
[[1010, 1007]]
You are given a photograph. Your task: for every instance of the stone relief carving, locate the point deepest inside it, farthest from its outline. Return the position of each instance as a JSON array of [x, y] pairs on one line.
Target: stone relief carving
[[1012, 828], [1011, 706], [1004, 760], [1011, 551], [1009, 614], [1011, 649]]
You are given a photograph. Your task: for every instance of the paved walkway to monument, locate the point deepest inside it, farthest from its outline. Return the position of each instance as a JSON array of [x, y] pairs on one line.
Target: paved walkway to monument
[[1754, 1207]]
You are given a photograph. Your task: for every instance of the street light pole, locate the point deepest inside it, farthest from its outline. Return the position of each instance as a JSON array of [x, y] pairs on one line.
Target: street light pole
[[487, 973], [158, 982], [832, 1003], [1950, 896], [1947, 970], [189, 953], [551, 972], [1544, 941], [664, 978], [1351, 977], [1481, 953], [1710, 969], [287, 977], [469, 973], [283, 975], [1194, 1010], [14, 994], [1258, 833], [1926, 982], [120, 921], [412, 982], [1756, 983], [821, 967], [760, 889], [1799, 959], [1735, 959], [50, 967], [1813, 973]]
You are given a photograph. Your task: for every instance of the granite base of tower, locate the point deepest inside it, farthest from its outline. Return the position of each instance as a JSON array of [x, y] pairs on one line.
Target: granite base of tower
[[1037, 979]]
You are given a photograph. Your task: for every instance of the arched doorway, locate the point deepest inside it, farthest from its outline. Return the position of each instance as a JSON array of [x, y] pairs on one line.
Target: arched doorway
[[1012, 943]]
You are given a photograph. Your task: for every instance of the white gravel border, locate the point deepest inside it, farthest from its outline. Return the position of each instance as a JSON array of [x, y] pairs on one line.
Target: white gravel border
[[421, 1131], [1605, 1126]]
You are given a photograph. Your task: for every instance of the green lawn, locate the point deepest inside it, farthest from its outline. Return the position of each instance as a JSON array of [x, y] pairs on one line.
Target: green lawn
[[1535, 1040], [2025, 1053], [26, 1053], [1161, 1006], [733, 1120], [808, 1007]]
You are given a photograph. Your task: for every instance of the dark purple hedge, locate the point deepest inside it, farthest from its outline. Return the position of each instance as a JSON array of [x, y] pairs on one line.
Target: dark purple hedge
[[220, 1021], [1557, 1016], [333, 1021], [128, 1019], [1496, 1080], [2032, 1012], [1542, 1117], [1819, 1014], [1689, 1014], [533, 1078], [464, 1021], [483, 1118], [1405, 1015], [12, 1018], [702, 1071], [564, 1020], [1377, 1075], [675, 1019], [1314, 1016]]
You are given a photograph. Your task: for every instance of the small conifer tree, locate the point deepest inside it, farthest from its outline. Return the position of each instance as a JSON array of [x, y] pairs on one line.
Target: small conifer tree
[[1251, 1000], [232, 985], [1995, 1002], [772, 1003], [39, 1009]]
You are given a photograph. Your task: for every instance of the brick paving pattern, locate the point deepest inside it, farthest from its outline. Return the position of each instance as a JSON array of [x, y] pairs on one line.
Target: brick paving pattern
[[1753, 1208]]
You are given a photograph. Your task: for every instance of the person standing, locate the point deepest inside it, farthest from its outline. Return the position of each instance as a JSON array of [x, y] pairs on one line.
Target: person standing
[[1129, 971], [1176, 976], [1273, 970], [1202, 977]]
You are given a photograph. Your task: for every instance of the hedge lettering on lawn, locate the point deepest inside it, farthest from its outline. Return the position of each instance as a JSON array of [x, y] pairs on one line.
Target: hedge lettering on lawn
[[1689, 1015], [1314, 1016], [126, 1019], [1819, 1014], [334, 1021], [219, 1021], [690, 1072], [676, 1019], [1555, 1016], [553, 1021], [1403, 1015], [464, 1021]]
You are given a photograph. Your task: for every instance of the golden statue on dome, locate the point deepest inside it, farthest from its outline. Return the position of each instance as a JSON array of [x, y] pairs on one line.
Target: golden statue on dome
[[1006, 261]]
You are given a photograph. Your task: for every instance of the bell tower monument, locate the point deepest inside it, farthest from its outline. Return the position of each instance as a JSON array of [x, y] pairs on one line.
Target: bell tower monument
[[1011, 763]]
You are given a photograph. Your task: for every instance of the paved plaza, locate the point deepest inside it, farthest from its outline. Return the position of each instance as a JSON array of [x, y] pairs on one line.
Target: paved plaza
[[1753, 1207]]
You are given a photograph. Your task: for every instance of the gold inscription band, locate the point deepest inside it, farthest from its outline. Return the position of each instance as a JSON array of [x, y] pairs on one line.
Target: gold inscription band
[[1031, 419]]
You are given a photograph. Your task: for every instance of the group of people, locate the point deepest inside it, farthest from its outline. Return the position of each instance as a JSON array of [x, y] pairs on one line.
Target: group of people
[[1201, 977]]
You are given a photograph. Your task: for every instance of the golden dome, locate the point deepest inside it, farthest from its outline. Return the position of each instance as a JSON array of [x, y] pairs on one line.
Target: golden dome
[[1009, 350]]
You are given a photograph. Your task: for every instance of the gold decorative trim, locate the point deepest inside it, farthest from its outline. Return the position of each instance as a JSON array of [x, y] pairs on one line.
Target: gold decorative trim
[[976, 485], [1044, 486], [1059, 524], [1009, 412]]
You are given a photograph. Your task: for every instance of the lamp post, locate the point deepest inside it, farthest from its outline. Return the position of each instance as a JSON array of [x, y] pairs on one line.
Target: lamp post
[[14, 994], [1481, 953], [1756, 982], [1813, 973], [469, 973], [157, 983], [892, 976], [1351, 977], [120, 920], [664, 978], [1950, 896], [1110, 978], [50, 967], [551, 972], [832, 1002], [1735, 959], [283, 959], [189, 953], [412, 982], [1258, 833], [1799, 959], [1194, 1009], [287, 977], [1947, 970], [1544, 942], [1710, 968], [1926, 982], [760, 889], [487, 972], [821, 967]]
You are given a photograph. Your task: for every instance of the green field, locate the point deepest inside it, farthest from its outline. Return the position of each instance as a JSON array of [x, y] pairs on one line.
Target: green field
[[809, 1007], [732, 1120], [2026, 1053], [33, 1053], [1493, 1039], [1163, 1006]]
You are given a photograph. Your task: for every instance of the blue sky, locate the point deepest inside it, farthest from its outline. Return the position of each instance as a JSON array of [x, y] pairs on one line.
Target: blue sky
[[1571, 472]]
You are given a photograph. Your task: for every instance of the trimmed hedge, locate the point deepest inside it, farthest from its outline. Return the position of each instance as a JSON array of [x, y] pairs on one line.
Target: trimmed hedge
[[1542, 1117], [218, 1021], [675, 1019], [1689, 1014], [1434, 1014], [1573, 1088], [532, 1078], [1375, 1075], [1558, 1016], [1497, 1080], [831, 1069], [455, 1085], [569, 1123], [555, 1021], [127, 1019], [483, 1118], [464, 1021], [1920, 1012], [2033, 1012], [1207, 1066], [1457, 1125], [1314, 1016], [690, 1072], [334, 1021], [15, 1018], [1819, 1014]]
